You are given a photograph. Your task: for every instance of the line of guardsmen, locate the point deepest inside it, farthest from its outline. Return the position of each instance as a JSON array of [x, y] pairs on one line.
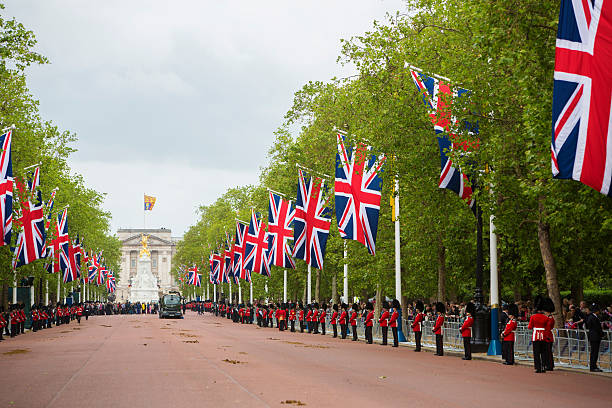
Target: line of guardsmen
[[311, 318], [12, 322]]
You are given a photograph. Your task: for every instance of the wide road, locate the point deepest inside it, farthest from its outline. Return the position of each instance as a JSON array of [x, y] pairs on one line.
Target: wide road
[[207, 361]]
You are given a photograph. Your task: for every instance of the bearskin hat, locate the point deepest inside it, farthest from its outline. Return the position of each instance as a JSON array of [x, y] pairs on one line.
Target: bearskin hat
[[344, 305], [369, 306], [548, 305], [513, 309], [316, 305], [419, 305], [538, 303], [396, 304], [470, 308], [440, 307], [355, 306], [385, 304]]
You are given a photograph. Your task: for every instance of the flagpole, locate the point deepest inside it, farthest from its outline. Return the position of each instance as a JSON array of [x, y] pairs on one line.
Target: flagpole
[[15, 287], [251, 293], [494, 344], [239, 293], [47, 291], [230, 290], [308, 283], [215, 292], [285, 286], [207, 297], [398, 259], [266, 287], [59, 287], [345, 286]]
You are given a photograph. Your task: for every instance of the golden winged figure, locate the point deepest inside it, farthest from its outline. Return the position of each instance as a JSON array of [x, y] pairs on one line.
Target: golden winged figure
[[144, 241]]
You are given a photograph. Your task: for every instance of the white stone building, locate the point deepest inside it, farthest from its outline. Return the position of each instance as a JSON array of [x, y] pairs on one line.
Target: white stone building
[[162, 246]]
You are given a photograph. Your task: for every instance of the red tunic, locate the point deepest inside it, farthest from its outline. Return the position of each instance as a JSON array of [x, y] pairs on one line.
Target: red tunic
[[538, 323], [369, 319], [315, 313], [508, 333], [393, 320], [291, 315], [550, 325], [439, 323], [353, 318], [416, 324], [322, 316], [334, 316], [466, 327], [309, 316], [342, 319], [301, 315], [384, 319]]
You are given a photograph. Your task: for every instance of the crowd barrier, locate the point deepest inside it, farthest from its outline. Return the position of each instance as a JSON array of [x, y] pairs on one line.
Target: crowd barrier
[[570, 349]]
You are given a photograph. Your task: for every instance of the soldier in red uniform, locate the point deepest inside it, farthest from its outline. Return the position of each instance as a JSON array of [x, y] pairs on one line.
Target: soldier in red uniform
[[353, 320], [369, 322], [282, 319], [322, 315], [417, 324], [538, 323], [438, 328], [549, 308], [79, 312], [343, 320], [301, 317], [292, 317], [309, 318], [315, 318], [466, 330], [22, 318], [508, 335], [394, 312], [383, 321], [333, 320], [14, 316]]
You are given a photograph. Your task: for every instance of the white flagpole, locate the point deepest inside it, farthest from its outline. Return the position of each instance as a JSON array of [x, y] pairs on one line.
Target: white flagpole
[[15, 287], [345, 286], [251, 293], [207, 297], [230, 291], [308, 283], [398, 269], [59, 287], [266, 287], [215, 292], [239, 293], [46, 291], [285, 286]]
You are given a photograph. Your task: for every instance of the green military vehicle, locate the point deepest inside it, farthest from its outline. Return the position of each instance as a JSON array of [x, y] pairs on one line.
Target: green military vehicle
[[170, 305]]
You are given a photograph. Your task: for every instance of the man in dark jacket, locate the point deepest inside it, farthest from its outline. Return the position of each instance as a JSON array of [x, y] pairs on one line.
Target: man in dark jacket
[[595, 332]]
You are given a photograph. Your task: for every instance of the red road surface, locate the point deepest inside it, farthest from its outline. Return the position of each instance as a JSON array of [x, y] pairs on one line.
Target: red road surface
[[206, 361]]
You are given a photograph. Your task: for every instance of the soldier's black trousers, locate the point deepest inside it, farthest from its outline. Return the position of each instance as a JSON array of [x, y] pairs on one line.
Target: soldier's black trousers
[[539, 355], [354, 328], [508, 351], [335, 327], [467, 347], [293, 325], [22, 327], [439, 345], [323, 328], [368, 334], [417, 340], [384, 334], [550, 361], [316, 327], [14, 329], [343, 331], [79, 319], [301, 326], [594, 349], [395, 338]]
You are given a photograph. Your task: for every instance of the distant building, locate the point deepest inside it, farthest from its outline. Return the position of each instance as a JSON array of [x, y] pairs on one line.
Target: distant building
[[162, 246]]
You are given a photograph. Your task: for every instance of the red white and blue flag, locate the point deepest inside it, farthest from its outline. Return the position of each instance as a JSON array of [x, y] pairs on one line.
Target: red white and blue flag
[[110, 282], [195, 278], [358, 192], [229, 259], [312, 221], [6, 189], [74, 250], [256, 249], [581, 146], [280, 231], [239, 251], [101, 275], [438, 97], [31, 241], [94, 265], [216, 265]]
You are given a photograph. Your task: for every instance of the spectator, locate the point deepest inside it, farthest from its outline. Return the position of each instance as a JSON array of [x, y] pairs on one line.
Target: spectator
[[595, 333]]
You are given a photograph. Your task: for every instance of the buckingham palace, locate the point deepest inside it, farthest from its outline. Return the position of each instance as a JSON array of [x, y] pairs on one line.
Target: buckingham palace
[[162, 245]]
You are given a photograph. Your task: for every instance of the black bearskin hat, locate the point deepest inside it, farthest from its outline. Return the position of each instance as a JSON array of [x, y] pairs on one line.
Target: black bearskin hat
[[301, 306], [355, 306], [470, 308], [419, 306], [440, 307], [369, 306], [335, 307], [344, 306], [548, 305], [513, 309], [396, 304], [316, 305], [385, 304], [324, 306]]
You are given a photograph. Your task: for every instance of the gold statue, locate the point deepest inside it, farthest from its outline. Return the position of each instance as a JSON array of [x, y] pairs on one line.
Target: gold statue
[[144, 241]]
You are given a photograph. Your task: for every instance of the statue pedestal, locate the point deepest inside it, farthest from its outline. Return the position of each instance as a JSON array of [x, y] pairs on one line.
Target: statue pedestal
[[144, 285]]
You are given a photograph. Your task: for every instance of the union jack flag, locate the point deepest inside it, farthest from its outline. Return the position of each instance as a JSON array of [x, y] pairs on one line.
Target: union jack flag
[[256, 248], [229, 259], [280, 231], [6, 189], [93, 268], [101, 275], [217, 260], [85, 276], [110, 282], [58, 252], [358, 192], [239, 254], [224, 260], [438, 97], [74, 252], [194, 276], [312, 221], [49, 208], [581, 147], [31, 241]]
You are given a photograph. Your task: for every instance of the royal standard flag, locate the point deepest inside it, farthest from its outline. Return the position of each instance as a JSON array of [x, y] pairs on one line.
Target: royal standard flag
[[149, 202]]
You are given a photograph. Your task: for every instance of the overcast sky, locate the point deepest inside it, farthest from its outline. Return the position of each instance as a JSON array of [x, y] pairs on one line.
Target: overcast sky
[[180, 99]]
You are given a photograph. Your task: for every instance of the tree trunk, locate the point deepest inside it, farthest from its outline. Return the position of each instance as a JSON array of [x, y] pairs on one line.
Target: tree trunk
[[317, 285], [441, 270], [577, 290], [549, 263], [334, 288], [379, 301]]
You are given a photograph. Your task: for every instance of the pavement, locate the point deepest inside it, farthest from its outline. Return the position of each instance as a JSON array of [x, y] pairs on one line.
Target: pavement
[[207, 361]]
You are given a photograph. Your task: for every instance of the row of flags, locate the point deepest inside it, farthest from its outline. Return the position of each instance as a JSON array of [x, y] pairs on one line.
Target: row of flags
[[580, 150], [63, 255]]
